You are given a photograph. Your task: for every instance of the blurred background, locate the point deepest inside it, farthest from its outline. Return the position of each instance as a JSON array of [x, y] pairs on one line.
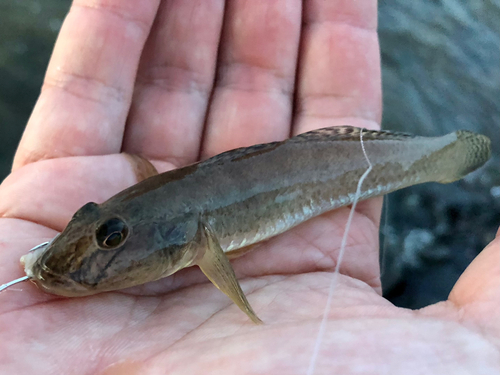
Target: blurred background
[[441, 72]]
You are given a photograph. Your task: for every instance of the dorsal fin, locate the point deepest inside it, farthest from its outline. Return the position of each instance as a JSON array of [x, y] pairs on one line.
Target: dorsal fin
[[348, 133]]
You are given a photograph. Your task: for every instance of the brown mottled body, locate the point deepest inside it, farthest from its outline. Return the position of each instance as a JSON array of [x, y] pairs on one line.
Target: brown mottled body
[[194, 214], [250, 194]]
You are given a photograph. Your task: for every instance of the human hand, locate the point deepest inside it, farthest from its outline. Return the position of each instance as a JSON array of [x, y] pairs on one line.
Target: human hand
[[276, 70]]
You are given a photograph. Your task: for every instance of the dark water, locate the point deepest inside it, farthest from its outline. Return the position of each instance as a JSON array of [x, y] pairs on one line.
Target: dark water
[[28, 30], [441, 72]]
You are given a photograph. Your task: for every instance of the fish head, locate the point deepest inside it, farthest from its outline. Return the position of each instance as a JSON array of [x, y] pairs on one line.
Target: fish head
[[102, 251]]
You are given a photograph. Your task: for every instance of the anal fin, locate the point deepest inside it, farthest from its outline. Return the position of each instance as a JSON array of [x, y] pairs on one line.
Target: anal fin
[[241, 251]]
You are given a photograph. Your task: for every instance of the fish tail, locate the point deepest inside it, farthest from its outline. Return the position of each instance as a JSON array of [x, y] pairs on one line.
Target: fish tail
[[467, 153]]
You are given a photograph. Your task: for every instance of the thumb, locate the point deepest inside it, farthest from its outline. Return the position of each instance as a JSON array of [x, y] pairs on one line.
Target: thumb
[[477, 292]]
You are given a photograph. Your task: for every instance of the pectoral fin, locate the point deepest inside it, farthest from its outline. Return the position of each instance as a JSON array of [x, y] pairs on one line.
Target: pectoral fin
[[216, 266], [142, 167]]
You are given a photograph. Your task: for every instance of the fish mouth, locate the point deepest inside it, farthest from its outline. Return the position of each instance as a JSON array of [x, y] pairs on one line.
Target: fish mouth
[[46, 279], [29, 260], [60, 285]]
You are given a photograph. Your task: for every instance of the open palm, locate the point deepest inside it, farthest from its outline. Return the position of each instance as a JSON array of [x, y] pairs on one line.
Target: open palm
[[176, 81]]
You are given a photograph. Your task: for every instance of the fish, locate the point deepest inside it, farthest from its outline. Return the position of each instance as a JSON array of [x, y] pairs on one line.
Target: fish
[[207, 212]]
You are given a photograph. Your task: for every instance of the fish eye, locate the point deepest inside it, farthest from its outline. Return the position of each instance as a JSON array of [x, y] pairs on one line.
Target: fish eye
[[111, 234]]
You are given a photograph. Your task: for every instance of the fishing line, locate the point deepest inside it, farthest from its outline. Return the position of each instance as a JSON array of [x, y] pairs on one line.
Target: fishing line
[[25, 278], [333, 283], [384, 229], [10, 283]]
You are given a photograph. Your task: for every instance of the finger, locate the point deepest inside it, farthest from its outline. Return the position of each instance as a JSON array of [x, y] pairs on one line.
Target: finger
[[339, 79], [88, 85], [174, 81], [339, 83], [253, 94], [477, 292]]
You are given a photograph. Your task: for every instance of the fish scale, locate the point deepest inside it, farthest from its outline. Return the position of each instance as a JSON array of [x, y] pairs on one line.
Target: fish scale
[[320, 187], [196, 214]]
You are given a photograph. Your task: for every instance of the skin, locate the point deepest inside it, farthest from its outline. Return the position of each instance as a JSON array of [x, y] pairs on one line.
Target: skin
[[91, 108]]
